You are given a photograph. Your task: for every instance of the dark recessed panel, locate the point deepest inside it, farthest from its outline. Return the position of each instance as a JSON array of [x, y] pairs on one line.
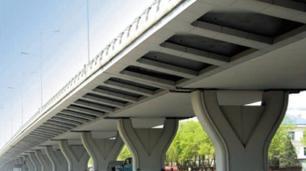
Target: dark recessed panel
[[207, 44], [294, 4], [89, 95], [251, 22], [127, 82], [87, 104], [301, 1], [118, 91], [153, 73], [176, 61]]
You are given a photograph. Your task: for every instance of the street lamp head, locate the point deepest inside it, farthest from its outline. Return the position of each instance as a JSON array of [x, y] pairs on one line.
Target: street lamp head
[[11, 88], [24, 53], [56, 31]]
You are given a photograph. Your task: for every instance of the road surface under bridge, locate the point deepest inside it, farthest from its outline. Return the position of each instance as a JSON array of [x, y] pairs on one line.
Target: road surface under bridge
[[179, 59]]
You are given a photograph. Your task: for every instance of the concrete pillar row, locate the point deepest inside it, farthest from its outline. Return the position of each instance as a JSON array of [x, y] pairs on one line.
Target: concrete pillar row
[[43, 160], [29, 164], [76, 156], [57, 159], [102, 151], [240, 133], [147, 145], [9, 166], [35, 162], [20, 163]]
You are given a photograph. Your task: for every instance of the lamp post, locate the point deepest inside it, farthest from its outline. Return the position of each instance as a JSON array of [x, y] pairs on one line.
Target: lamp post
[[21, 102], [41, 56], [12, 116], [41, 41], [88, 30]]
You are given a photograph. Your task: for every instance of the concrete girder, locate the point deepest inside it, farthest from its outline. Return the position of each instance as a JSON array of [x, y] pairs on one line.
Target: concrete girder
[[129, 88], [102, 151], [148, 145], [103, 101], [241, 140], [166, 68], [231, 35], [193, 54], [93, 106], [77, 114], [84, 110], [114, 95]]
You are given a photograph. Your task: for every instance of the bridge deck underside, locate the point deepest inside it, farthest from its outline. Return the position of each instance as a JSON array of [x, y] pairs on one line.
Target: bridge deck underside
[[226, 44]]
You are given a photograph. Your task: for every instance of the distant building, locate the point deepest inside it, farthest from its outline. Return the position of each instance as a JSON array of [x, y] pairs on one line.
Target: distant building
[[296, 134]]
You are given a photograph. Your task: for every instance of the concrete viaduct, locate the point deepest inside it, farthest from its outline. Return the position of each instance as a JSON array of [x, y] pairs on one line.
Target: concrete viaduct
[[179, 59]]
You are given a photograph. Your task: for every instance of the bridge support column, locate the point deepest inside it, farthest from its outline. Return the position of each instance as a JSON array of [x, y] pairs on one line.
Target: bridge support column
[[36, 163], [43, 160], [102, 151], [240, 133], [9, 166], [148, 145], [76, 156], [57, 159], [21, 164], [29, 164]]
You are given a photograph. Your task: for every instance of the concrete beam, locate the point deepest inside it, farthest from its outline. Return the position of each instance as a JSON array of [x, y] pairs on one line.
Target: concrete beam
[[103, 101], [85, 111], [129, 88], [114, 95], [93, 106], [76, 114], [192, 54], [230, 35], [149, 80], [166, 68]]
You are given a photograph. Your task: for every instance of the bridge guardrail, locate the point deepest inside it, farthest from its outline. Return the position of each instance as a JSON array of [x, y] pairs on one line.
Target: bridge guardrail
[[148, 18]]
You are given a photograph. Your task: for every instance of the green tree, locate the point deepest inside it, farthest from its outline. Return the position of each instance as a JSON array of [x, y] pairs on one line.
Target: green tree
[[124, 154], [281, 150], [304, 137], [190, 141]]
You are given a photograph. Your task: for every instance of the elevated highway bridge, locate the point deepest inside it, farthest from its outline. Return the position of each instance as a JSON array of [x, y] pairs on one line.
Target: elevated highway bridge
[[179, 59]]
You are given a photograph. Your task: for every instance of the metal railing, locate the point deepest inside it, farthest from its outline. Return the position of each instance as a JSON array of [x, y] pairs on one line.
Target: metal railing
[[142, 23]]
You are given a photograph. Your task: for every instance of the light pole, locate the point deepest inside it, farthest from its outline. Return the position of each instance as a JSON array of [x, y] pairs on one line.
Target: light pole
[[12, 116], [88, 30], [41, 46], [41, 41], [21, 101]]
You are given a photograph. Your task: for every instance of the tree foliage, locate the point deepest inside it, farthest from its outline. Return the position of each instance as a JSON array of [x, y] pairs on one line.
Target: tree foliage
[[191, 141], [281, 150], [124, 154]]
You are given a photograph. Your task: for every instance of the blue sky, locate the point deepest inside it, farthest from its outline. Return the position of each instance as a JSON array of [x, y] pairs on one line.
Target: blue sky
[[64, 52]]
